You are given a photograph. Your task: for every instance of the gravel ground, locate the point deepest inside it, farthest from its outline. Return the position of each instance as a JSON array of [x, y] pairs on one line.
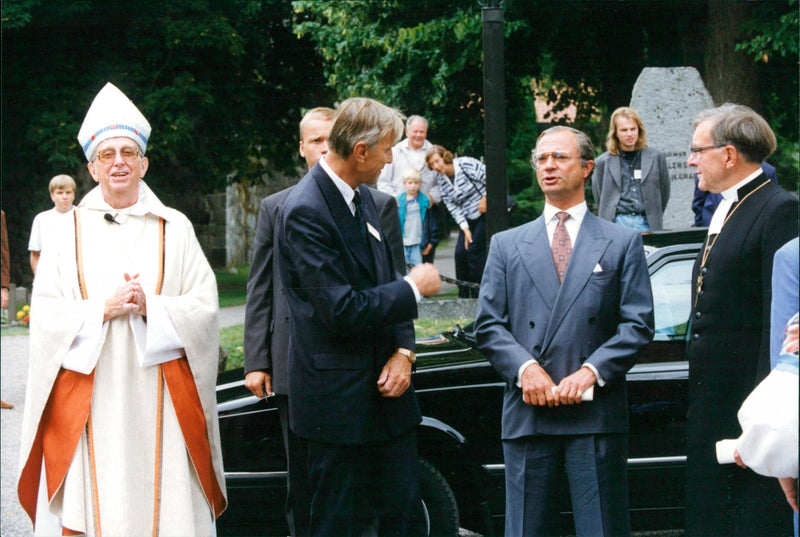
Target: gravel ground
[[13, 373]]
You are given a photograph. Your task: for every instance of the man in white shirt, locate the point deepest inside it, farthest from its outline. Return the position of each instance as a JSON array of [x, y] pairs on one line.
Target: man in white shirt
[[46, 224], [351, 333], [410, 153]]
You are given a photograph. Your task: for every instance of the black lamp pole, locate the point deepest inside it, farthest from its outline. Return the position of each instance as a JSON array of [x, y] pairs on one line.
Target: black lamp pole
[[494, 93]]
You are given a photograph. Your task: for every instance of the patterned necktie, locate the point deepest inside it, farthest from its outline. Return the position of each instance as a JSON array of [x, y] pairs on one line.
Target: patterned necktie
[[359, 216], [561, 246]]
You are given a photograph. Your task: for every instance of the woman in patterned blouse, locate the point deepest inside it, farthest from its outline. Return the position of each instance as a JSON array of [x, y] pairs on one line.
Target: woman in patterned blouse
[[462, 181]]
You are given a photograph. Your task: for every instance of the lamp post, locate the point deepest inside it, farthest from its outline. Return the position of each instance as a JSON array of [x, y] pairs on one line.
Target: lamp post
[[494, 94]]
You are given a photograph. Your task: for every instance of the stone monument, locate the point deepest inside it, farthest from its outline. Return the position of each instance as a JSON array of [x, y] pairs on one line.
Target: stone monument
[[668, 99]]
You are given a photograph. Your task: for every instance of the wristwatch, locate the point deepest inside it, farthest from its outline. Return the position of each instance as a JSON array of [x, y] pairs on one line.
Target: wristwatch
[[408, 354]]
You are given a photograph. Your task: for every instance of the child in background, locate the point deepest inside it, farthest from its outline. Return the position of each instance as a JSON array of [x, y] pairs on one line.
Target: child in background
[[45, 225], [419, 233]]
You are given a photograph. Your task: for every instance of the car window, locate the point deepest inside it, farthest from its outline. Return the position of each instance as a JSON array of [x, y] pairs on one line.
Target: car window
[[672, 297]]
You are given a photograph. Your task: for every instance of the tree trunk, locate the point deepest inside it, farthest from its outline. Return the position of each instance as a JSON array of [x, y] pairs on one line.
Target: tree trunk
[[730, 76]]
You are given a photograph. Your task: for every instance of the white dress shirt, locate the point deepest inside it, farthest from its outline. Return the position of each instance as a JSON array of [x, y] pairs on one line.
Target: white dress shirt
[[348, 194]]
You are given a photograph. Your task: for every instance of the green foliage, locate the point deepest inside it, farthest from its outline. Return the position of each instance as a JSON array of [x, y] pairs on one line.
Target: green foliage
[[424, 58], [17, 13], [231, 338], [773, 36], [773, 43], [222, 82], [530, 204]]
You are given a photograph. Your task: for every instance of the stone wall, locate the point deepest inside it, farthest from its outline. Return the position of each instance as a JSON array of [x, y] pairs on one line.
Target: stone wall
[[210, 230], [242, 205], [668, 99]]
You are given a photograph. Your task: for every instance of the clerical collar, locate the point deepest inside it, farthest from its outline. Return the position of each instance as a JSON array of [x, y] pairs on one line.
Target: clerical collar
[[732, 193]]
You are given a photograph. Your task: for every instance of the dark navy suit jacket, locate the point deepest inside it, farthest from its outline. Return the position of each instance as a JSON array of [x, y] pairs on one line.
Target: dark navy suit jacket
[[266, 324], [349, 311]]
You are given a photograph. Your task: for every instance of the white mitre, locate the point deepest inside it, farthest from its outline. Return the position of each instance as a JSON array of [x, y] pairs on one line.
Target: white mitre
[[112, 115]]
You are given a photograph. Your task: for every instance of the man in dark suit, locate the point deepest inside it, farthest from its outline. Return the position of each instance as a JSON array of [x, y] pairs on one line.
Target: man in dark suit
[[350, 351], [266, 329], [730, 326], [556, 323]]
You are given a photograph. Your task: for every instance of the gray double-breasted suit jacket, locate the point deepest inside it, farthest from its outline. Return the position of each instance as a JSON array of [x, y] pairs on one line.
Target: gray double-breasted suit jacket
[[602, 314]]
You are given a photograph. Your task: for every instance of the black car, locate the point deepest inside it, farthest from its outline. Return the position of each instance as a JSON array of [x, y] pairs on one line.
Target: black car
[[460, 396]]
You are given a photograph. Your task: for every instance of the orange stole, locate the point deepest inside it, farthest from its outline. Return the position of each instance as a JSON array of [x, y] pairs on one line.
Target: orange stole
[[65, 417], [189, 410], [60, 429]]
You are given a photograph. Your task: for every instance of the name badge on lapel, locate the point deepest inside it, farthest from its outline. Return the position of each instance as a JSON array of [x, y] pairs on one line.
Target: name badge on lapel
[[637, 174], [373, 231]]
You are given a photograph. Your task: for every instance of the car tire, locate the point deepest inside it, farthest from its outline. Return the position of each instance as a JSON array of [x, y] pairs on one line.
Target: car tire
[[437, 515]]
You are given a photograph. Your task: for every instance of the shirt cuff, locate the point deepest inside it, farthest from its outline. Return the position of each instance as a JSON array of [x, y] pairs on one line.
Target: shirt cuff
[[600, 380], [521, 369], [464, 225], [417, 295]]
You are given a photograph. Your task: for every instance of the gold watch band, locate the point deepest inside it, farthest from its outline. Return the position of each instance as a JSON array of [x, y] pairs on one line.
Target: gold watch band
[[408, 354]]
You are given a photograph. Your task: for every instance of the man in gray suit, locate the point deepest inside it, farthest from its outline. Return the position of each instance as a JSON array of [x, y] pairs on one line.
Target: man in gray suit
[[266, 328], [561, 325]]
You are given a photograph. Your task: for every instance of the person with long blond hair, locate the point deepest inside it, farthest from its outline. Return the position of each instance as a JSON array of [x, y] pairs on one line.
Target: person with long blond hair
[[630, 183]]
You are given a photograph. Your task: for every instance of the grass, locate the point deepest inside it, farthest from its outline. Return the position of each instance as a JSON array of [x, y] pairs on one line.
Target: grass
[[231, 337], [9, 330], [232, 285]]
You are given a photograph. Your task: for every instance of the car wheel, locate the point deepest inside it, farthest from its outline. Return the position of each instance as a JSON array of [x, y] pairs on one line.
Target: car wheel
[[437, 515]]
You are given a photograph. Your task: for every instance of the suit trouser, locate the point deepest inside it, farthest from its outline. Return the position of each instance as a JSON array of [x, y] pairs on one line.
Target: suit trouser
[[363, 489], [435, 212], [596, 467], [298, 495], [470, 262]]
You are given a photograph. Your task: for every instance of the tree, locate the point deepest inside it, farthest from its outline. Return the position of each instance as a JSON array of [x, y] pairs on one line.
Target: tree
[[725, 68], [772, 45], [222, 82], [424, 57]]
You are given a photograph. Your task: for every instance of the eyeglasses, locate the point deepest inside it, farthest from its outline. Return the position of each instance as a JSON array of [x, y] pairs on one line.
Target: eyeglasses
[[694, 151], [540, 159], [128, 154]]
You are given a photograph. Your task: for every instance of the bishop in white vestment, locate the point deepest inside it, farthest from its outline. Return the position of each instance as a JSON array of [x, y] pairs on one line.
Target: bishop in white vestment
[[120, 434]]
